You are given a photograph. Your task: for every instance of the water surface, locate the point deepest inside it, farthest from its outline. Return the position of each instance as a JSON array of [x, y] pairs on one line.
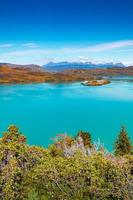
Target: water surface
[[43, 110]]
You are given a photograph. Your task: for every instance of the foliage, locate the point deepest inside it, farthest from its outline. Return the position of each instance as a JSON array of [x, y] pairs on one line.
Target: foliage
[[82, 177], [123, 143], [86, 136], [16, 159], [64, 171]]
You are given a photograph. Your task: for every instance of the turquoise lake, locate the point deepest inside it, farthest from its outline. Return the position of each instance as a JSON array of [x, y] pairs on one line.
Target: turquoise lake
[[43, 110]]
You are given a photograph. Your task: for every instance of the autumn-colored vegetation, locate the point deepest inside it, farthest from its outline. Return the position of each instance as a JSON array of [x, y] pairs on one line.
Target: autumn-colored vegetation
[[35, 74], [114, 71], [27, 75], [69, 169], [22, 75], [96, 82]]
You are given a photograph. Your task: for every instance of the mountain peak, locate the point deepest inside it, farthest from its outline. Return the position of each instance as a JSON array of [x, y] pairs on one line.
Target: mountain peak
[[81, 63]]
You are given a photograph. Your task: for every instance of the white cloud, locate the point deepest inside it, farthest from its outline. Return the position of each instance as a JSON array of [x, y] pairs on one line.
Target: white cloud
[[102, 47], [29, 52], [34, 54], [92, 48], [110, 45], [31, 45], [6, 45]]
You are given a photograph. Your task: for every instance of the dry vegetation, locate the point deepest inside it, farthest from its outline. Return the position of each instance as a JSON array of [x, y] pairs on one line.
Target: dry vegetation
[[127, 71], [29, 75]]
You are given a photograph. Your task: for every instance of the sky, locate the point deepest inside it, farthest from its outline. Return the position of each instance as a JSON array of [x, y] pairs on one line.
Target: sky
[[40, 31]]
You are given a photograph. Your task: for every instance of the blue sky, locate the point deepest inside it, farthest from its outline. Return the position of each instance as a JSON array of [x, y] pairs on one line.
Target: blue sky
[[39, 31]]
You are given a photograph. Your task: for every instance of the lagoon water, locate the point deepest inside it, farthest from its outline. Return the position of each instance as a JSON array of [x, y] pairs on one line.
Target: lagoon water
[[43, 110]]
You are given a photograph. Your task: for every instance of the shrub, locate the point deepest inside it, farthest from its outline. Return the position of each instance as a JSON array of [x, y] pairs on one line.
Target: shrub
[[123, 143], [65, 170]]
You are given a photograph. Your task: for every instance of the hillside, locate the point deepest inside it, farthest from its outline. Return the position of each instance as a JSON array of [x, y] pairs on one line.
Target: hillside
[[32, 67], [31, 73], [114, 71], [23, 74]]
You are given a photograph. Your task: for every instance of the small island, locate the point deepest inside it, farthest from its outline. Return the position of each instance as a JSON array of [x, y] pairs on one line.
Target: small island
[[96, 82]]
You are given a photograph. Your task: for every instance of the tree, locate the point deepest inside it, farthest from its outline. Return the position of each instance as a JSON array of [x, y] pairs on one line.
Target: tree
[[86, 136], [13, 135], [123, 143], [16, 160]]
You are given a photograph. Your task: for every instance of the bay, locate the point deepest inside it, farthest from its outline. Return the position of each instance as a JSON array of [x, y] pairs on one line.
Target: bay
[[43, 110]]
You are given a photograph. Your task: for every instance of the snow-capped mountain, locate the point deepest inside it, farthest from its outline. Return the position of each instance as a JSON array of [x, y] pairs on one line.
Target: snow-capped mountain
[[80, 64]]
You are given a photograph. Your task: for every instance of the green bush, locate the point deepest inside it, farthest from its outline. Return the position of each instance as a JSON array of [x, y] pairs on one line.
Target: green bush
[[123, 144], [35, 173]]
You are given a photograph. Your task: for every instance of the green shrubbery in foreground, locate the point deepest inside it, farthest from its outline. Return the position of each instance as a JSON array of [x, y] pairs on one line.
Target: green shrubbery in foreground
[[70, 169]]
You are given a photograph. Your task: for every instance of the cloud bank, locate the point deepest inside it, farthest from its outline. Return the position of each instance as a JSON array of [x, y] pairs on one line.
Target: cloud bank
[[33, 53]]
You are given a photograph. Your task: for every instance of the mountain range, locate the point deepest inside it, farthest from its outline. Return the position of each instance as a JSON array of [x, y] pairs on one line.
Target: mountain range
[[60, 66], [72, 72]]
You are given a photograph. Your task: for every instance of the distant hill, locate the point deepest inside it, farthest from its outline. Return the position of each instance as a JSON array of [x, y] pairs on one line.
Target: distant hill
[[31, 67], [61, 66], [10, 73]]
